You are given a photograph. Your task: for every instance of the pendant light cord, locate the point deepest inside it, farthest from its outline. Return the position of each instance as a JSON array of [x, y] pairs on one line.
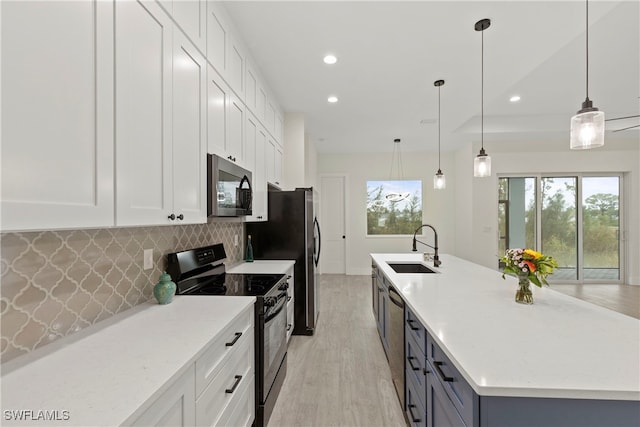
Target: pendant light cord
[[482, 91], [438, 128], [587, 47]]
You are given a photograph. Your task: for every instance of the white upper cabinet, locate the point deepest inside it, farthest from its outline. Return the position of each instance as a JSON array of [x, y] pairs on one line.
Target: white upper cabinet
[[255, 139], [235, 130], [217, 100], [224, 51], [144, 35], [217, 35], [273, 162], [191, 17], [189, 132], [57, 115], [160, 120]]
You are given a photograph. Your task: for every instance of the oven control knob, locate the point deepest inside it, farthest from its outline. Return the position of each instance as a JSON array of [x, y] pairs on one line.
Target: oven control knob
[[283, 287], [269, 302]]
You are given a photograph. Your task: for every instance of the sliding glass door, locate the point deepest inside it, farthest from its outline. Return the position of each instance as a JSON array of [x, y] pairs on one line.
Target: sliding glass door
[[575, 219], [601, 228]]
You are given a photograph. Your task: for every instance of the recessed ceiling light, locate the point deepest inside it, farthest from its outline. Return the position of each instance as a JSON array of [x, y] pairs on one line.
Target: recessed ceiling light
[[332, 99], [330, 59], [515, 98]]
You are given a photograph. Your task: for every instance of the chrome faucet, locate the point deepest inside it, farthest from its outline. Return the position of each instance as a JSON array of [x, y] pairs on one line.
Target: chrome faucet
[[436, 259]]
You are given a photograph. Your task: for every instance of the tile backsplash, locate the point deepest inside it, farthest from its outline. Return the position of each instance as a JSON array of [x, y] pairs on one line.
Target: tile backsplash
[[54, 283]]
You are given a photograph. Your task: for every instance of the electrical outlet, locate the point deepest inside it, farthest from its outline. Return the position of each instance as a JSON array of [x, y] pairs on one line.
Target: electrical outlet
[[148, 259], [235, 240]]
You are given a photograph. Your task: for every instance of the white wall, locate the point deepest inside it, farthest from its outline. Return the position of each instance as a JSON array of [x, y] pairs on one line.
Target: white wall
[[311, 163], [438, 206], [465, 213], [481, 244], [294, 151]]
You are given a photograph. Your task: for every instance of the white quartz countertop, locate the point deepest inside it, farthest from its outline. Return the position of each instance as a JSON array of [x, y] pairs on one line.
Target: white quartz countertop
[[559, 347], [109, 375], [262, 267]]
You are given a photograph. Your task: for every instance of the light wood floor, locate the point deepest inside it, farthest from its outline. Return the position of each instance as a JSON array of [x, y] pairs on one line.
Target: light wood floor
[[340, 375], [624, 299]]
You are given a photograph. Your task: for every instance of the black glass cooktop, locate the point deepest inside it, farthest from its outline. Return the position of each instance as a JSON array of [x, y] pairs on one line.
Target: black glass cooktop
[[230, 284]]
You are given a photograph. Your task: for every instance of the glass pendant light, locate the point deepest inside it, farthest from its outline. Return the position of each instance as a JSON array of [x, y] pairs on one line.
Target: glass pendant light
[[439, 182], [587, 126], [482, 162]]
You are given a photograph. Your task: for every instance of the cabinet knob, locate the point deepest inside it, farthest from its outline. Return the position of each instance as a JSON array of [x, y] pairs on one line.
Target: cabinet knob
[[180, 217], [172, 217]]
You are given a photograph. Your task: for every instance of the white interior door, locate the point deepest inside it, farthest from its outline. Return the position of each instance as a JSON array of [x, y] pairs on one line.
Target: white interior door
[[332, 214]]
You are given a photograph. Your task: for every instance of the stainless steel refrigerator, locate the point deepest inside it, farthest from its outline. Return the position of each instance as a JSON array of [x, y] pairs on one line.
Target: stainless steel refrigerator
[[292, 232]]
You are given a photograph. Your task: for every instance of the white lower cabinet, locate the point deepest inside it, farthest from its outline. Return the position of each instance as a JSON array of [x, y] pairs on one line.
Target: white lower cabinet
[[174, 407], [225, 375], [218, 389]]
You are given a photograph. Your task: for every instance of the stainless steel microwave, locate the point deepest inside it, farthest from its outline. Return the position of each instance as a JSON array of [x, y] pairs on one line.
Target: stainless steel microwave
[[229, 188]]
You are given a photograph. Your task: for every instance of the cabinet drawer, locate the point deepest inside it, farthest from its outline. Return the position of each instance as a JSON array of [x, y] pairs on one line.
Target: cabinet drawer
[[221, 349], [242, 412], [415, 364], [224, 389], [454, 385], [414, 328], [416, 410], [440, 409]]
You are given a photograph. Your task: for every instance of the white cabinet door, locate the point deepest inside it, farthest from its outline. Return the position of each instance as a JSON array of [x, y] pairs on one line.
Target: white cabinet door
[[174, 407], [235, 130], [143, 113], [217, 99], [255, 139], [279, 155], [57, 115], [189, 132], [191, 17], [270, 160], [217, 35], [273, 161]]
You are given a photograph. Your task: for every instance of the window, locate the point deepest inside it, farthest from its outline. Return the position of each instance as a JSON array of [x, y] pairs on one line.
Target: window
[[394, 207], [575, 219]]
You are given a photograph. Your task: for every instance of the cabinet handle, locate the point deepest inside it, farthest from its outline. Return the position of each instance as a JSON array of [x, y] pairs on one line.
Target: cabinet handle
[[409, 359], [235, 384], [238, 335], [180, 217], [413, 418], [172, 217], [410, 322], [441, 374]]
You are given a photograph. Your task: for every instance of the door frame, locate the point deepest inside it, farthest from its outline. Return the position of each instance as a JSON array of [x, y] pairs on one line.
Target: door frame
[[345, 178]]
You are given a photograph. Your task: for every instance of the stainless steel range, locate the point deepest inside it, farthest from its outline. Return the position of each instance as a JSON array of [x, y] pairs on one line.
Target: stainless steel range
[[201, 271]]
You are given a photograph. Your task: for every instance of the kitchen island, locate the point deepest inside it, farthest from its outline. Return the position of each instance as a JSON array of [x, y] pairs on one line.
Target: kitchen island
[[561, 360]]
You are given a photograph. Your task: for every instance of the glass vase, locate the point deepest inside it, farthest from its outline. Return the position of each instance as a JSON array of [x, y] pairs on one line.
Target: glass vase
[[524, 295]]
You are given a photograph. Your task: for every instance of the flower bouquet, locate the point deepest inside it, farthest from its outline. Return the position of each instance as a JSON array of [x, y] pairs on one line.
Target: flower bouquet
[[529, 266]]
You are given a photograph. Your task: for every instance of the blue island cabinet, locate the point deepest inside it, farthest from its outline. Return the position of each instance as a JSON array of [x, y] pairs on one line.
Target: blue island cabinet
[[438, 396]]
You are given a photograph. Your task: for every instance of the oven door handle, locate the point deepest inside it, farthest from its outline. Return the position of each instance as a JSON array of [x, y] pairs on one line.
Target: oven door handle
[[274, 314]]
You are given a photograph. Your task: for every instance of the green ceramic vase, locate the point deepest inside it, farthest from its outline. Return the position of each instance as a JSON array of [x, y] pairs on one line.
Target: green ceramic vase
[[165, 289]]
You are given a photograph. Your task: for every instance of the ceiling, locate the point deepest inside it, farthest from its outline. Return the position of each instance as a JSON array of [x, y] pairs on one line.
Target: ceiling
[[390, 53]]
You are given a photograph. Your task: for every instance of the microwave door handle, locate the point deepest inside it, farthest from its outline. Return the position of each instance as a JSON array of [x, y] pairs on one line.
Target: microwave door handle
[[250, 198]]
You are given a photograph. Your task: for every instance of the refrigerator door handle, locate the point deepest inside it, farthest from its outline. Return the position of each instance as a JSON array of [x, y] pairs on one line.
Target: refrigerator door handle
[[316, 259]]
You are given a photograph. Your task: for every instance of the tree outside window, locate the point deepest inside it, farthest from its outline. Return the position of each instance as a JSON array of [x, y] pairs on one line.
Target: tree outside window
[[394, 207]]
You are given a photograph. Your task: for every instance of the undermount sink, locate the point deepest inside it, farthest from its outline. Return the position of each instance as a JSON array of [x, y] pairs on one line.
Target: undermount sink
[[410, 268]]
